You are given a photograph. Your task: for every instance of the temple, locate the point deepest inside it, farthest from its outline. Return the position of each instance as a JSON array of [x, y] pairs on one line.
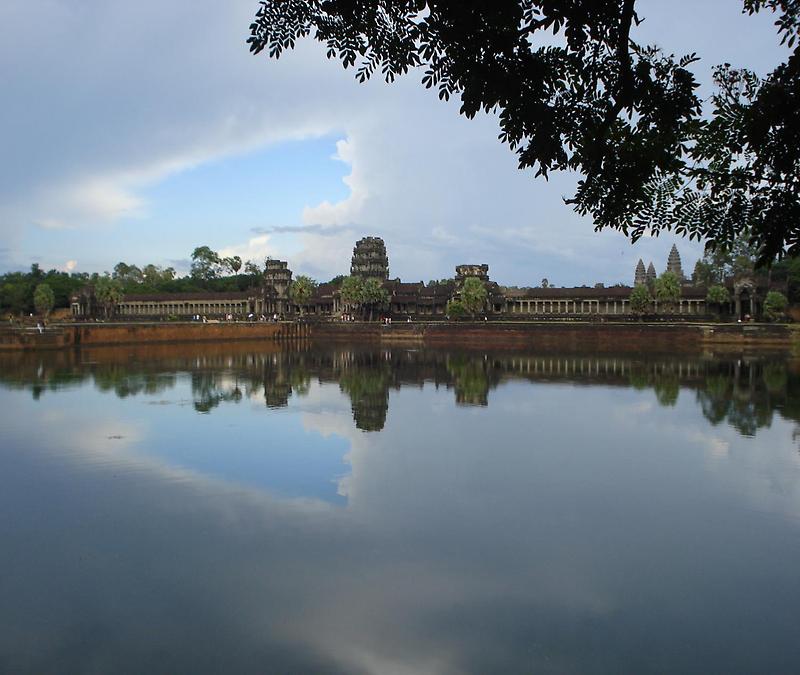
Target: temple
[[370, 259], [411, 300]]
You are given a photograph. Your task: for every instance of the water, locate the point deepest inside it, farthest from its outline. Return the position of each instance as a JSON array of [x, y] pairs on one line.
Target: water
[[245, 509]]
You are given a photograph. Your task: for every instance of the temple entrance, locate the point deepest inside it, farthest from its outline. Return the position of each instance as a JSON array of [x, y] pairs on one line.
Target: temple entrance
[[745, 305]]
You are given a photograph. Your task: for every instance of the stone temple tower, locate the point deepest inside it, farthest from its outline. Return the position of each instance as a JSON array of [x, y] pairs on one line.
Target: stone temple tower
[[651, 273], [639, 276], [674, 263], [370, 259], [277, 279]]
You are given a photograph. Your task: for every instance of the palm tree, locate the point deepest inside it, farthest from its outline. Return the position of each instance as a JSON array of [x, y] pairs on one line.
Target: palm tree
[[108, 292], [301, 289], [374, 294], [352, 292]]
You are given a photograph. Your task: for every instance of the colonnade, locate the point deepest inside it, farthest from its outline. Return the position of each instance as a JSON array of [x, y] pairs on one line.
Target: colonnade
[[186, 308], [525, 306], [583, 306], [565, 366]]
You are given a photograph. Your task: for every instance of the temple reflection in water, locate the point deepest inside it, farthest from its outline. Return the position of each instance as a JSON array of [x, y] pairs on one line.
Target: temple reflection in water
[[744, 392]]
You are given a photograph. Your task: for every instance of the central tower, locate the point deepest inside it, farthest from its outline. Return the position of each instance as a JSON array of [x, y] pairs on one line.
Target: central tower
[[370, 259]]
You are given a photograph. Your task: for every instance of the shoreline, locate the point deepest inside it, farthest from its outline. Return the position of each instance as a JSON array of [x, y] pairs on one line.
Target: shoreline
[[599, 336]]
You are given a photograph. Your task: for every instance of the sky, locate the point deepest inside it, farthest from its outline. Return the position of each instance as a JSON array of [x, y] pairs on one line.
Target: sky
[[139, 131]]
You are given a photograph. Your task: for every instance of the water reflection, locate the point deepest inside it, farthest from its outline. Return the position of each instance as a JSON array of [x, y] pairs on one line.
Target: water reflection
[[743, 392], [499, 512]]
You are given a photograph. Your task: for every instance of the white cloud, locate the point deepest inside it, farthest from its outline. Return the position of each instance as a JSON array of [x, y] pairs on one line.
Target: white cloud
[[350, 209], [256, 249], [100, 200], [51, 224]]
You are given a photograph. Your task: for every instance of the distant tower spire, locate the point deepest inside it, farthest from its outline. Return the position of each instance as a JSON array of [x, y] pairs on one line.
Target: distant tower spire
[[639, 276], [674, 263], [651, 273]]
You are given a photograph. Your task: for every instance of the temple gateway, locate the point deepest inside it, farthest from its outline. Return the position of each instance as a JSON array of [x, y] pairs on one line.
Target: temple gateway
[[419, 300]]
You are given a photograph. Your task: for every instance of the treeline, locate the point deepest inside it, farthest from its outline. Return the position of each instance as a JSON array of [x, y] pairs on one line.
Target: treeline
[[17, 289], [209, 272]]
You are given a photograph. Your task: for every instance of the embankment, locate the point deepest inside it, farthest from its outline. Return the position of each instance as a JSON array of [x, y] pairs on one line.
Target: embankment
[[577, 336], [604, 337], [97, 334]]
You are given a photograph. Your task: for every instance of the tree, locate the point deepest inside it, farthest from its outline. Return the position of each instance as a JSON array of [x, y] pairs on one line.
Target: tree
[[473, 295], [44, 299], [252, 269], [127, 274], [624, 116], [739, 259], [718, 296], [154, 275], [774, 305], [205, 264], [108, 292], [14, 293], [668, 290], [788, 271], [301, 289], [545, 283], [352, 292], [640, 300], [374, 295], [703, 274], [233, 264], [455, 309]]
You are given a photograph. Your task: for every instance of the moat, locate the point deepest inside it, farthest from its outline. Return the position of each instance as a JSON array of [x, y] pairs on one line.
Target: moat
[[398, 509]]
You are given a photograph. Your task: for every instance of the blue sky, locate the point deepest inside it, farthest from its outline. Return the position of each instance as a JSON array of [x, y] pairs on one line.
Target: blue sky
[[242, 194], [143, 142]]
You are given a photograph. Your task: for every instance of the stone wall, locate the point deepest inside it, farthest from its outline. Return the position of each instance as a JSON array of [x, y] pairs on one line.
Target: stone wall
[[551, 336], [92, 334], [565, 336]]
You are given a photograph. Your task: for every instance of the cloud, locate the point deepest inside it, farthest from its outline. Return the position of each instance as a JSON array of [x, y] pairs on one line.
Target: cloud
[[348, 210], [51, 224], [70, 265], [323, 257], [256, 248], [321, 230]]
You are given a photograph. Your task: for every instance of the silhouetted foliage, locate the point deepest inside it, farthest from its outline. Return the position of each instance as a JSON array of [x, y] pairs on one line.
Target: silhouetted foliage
[[574, 91]]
